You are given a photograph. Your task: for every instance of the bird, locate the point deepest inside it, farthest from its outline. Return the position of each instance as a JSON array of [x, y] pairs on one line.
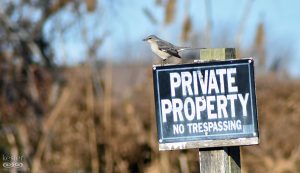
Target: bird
[[163, 49]]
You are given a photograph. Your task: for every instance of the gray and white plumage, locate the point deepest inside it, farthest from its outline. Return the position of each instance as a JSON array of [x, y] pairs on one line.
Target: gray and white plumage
[[162, 48]]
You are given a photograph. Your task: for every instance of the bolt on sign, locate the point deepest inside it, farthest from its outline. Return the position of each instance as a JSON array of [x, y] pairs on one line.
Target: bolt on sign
[[203, 105]]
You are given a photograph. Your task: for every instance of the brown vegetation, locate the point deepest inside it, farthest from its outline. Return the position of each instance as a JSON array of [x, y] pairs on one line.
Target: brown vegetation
[[114, 130]]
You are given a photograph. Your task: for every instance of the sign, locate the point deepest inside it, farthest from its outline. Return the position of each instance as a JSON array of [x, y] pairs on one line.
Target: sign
[[204, 105]]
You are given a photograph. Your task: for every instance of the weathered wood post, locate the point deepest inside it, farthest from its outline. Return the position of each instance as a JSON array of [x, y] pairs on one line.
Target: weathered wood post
[[226, 159]]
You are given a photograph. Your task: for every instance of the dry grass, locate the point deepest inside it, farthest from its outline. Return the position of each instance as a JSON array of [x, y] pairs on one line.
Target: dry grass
[[279, 120], [79, 133]]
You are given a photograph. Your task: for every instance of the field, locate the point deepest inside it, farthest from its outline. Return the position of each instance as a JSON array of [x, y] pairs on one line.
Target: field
[[104, 120]]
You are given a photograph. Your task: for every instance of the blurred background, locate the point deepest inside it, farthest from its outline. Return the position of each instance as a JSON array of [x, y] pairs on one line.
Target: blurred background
[[76, 89]]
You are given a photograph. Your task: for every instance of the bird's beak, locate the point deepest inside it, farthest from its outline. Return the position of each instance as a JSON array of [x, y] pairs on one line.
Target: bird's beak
[[145, 39]]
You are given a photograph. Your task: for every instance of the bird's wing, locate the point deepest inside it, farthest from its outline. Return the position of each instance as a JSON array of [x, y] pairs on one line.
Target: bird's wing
[[168, 47]]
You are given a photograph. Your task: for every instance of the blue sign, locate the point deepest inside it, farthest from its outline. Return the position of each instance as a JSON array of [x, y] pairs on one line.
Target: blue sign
[[202, 102]]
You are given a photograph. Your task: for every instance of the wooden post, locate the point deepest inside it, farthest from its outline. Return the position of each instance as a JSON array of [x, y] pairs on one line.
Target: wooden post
[[224, 159]]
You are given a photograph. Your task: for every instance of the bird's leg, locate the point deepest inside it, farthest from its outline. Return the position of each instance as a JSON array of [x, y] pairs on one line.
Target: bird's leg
[[163, 62]]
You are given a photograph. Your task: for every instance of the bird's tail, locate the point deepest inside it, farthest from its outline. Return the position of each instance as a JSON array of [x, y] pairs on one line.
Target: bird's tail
[[186, 48]]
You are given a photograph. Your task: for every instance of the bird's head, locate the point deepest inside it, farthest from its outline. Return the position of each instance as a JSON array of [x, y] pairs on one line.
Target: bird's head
[[151, 38]]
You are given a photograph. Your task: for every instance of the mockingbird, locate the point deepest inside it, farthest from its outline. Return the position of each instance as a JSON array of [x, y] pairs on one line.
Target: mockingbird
[[163, 49]]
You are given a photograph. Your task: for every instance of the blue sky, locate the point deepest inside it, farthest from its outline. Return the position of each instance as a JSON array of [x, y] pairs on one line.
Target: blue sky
[[127, 25]]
